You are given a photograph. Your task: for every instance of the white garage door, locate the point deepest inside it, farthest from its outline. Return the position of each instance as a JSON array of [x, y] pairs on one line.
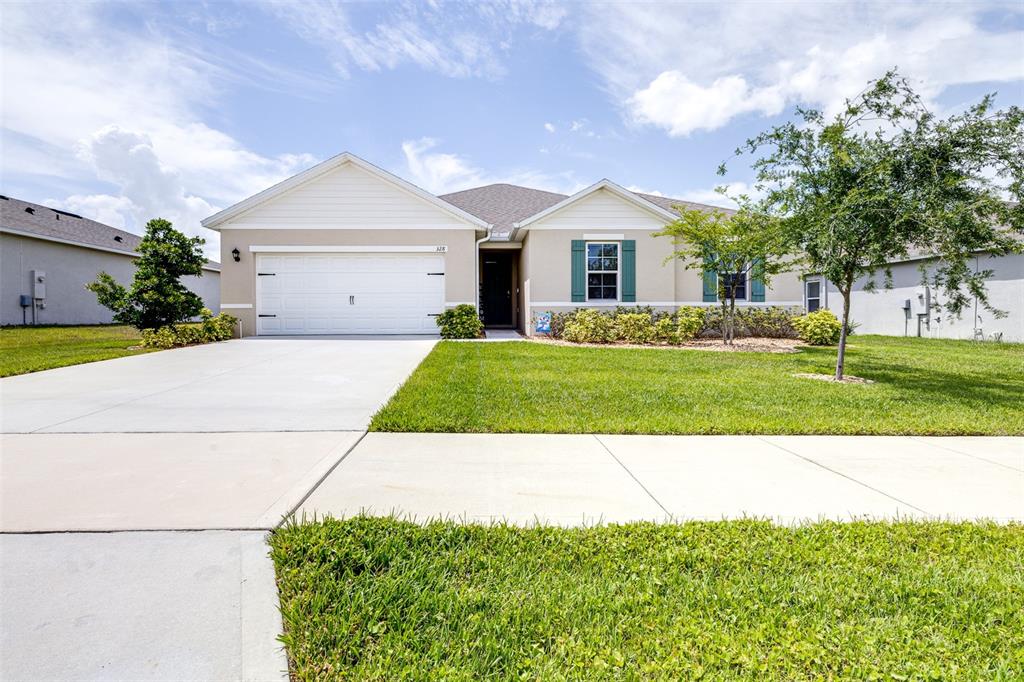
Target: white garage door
[[349, 293]]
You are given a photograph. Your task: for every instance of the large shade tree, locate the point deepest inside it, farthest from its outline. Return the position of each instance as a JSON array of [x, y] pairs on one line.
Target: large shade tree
[[885, 179]]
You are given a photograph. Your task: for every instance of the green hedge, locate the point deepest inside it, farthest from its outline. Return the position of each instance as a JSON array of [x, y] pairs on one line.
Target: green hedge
[[645, 325], [219, 328]]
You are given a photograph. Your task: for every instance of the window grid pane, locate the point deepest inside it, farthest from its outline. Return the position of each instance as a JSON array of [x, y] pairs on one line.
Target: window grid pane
[[602, 272]]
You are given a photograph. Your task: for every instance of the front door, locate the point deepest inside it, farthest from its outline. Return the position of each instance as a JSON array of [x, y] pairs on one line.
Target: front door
[[497, 287]]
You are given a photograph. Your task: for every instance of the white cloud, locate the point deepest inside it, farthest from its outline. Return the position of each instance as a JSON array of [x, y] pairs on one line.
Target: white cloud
[[664, 66], [550, 127], [454, 39], [86, 102], [641, 190], [442, 172], [675, 103], [715, 198]]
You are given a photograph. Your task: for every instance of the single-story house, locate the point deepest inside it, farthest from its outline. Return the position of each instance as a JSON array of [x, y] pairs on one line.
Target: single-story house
[[47, 256], [348, 248], [912, 308]]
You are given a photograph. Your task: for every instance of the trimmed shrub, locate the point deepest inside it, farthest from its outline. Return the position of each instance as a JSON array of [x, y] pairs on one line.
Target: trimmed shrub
[[820, 328], [209, 329], [771, 322], [689, 322], [460, 322], [634, 327], [589, 326], [666, 331]]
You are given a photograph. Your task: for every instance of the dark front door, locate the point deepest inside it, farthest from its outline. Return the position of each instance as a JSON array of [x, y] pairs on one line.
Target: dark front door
[[496, 297]]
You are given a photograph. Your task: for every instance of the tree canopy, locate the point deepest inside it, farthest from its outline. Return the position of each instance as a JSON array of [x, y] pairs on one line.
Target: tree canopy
[[156, 297], [885, 179]]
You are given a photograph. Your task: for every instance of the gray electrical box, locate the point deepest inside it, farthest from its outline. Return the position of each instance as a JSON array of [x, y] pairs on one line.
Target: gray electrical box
[[906, 304], [38, 284], [26, 301]]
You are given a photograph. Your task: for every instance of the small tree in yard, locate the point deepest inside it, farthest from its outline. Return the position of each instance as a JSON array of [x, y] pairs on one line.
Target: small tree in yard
[[736, 246], [156, 297], [884, 179]]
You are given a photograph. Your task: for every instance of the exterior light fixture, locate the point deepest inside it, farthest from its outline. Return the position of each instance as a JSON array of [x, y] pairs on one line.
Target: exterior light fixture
[[236, 254]]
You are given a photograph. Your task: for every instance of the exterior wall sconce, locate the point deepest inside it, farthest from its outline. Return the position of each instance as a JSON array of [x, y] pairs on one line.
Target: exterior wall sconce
[[236, 255]]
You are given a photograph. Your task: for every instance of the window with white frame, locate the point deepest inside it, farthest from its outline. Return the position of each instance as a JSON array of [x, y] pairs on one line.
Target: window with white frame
[[602, 271], [812, 287]]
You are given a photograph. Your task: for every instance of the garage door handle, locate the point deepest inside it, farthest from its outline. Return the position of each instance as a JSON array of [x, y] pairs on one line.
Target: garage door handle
[[436, 273], [267, 274], [268, 315], [433, 314]]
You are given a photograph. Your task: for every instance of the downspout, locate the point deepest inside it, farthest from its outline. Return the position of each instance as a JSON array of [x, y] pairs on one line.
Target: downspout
[[476, 267]]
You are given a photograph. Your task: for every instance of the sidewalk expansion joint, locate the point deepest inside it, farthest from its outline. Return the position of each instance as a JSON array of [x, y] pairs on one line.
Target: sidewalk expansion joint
[[319, 482], [965, 454], [626, 469], [839, 473]]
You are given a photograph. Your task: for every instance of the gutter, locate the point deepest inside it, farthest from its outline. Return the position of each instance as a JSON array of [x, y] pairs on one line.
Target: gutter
[[476, 266]]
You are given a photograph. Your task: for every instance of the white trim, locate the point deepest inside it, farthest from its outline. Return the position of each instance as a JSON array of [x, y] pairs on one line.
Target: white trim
[[452, 304], [501, 246], [439, 249], [612, 304], [604, 237], [607, 184], [330, 164], [236, 306], [56, 240], [262, 226]]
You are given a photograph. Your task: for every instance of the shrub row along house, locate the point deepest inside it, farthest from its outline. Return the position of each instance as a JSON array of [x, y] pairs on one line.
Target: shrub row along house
[[47, 256], [347, 248]]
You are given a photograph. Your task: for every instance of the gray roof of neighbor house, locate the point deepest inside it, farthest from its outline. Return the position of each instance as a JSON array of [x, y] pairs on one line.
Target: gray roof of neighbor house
[[503, 204], [43, 222]]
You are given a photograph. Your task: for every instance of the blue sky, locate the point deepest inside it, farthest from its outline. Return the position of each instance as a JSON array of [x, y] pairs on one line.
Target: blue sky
[[126, 111]]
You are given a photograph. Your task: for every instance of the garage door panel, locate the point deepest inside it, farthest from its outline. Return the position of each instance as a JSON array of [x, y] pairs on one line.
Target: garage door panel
[[350, 293]]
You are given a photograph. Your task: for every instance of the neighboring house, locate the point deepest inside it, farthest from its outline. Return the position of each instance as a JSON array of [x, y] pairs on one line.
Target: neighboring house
[[347, 248], [47, 257], [911, 308]]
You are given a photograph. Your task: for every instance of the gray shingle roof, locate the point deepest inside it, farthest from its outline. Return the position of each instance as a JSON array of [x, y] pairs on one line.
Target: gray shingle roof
[[49, 223], [503, 204]]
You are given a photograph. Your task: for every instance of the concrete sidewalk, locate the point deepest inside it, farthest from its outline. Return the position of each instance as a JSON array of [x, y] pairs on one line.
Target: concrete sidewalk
[[572, 479]]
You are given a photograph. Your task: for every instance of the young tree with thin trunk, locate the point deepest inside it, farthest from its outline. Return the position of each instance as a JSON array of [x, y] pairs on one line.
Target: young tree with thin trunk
[[738, 247], [885, 179]]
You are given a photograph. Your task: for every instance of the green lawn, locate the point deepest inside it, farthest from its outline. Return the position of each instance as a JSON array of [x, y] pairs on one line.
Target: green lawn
[[922, 386], [31, 349], [739, 600]]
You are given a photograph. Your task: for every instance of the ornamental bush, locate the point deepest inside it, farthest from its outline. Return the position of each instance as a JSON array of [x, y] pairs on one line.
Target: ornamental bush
[[589, 326], [219, 328], [666, 330], [820, 328], [460, 322], [634, 327], [689, 322]]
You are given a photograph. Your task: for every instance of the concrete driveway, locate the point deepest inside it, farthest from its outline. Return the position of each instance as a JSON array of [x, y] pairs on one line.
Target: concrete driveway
[[174, 464], [256, 384]]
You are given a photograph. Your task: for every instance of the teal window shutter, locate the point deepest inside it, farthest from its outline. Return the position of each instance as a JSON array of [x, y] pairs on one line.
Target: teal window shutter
[[629, 271], [757, 281], [579, 271], [710, 284]]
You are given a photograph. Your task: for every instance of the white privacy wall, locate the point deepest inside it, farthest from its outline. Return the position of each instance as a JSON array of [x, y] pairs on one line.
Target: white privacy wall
[[882, 312]]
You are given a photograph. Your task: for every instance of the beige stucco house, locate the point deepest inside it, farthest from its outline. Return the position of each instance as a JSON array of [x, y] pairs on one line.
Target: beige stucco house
[[348, 248]]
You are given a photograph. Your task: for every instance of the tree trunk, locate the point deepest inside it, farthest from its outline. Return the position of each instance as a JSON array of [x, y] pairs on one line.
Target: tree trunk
[[732, 319], [725, 318], [841, 355]]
